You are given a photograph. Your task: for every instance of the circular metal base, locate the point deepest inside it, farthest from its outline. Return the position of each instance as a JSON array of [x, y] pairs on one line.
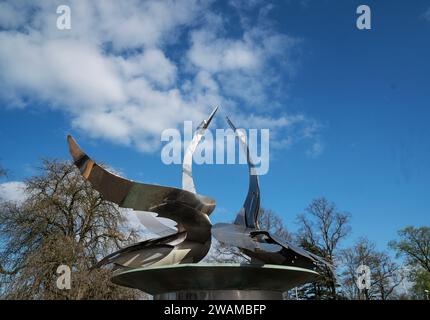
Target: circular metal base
[[215, 281]]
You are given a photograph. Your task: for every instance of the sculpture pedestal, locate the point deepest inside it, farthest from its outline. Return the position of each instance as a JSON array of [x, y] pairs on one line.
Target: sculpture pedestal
[[224, 281]]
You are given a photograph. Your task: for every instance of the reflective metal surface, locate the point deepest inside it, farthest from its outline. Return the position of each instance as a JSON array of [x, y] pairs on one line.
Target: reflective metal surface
[[232, 278], [189, 243], [260, 245], [187, 176], [248, 215], [276, 265]]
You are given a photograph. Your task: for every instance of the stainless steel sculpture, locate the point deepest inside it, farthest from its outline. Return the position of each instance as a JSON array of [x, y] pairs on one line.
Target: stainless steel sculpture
[[138, 264], [245, 233], [188, 244]]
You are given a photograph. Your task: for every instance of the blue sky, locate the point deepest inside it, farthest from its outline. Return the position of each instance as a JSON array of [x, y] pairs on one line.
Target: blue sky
[[361, 97]]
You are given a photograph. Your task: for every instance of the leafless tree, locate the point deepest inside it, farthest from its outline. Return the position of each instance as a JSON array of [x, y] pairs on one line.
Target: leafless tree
[[321, 228], [385, 274], [272, 222], [63, 221]]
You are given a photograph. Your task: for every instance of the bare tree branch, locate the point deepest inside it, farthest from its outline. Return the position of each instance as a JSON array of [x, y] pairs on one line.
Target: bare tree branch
[[62, 221]]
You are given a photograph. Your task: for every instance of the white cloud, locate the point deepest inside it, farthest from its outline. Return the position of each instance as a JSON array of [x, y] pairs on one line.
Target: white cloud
[[242, 66], [66, 73], [129, 69], [218, 54], [12, 191], [152, 64]]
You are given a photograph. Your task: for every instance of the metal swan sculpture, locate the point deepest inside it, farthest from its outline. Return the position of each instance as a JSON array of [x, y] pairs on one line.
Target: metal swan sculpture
[[260, 245], [192, 239]]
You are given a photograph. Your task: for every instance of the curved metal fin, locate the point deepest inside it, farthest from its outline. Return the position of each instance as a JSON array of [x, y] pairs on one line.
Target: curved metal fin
[[130, 194], [248, 215], [154, 224], [165, 242], [187, 175]]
